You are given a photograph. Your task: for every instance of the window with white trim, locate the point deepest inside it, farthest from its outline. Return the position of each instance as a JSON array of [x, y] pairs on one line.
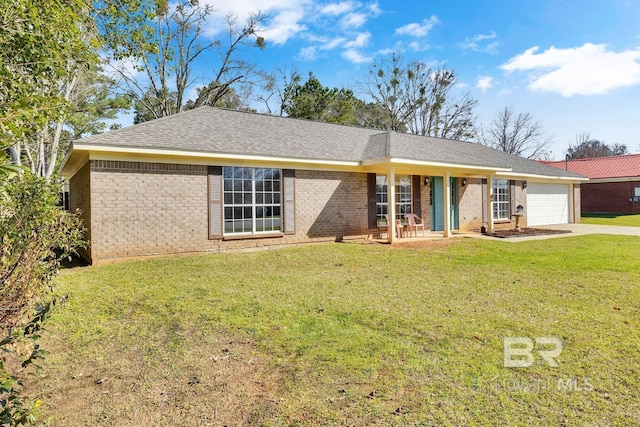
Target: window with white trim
[[501, 203], [252, 200], [403, 197]]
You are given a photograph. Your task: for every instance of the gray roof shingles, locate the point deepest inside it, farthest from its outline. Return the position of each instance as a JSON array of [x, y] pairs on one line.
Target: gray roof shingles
[[207, 129]]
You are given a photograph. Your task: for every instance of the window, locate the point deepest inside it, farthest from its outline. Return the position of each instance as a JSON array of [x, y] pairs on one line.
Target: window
[[501, 202], [403, 196], [252, 200]]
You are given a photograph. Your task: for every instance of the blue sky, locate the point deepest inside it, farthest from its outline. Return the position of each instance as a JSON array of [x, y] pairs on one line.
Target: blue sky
[[574, 65]]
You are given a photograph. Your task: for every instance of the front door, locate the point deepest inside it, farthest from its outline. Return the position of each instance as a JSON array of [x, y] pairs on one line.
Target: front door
[[454, 203], [437, 203]]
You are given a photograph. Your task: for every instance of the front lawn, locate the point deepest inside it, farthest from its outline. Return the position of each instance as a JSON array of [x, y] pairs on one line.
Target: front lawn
[[349, 334], [632, 220]]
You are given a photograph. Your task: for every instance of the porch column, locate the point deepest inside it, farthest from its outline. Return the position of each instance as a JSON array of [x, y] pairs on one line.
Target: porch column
[[391, 207], [572, 210], [489, 205], [447, 205]]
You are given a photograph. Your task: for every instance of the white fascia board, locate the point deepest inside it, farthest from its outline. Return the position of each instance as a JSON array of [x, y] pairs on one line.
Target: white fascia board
[[207, 155], [623, 179], [569, 179], [394, 160]]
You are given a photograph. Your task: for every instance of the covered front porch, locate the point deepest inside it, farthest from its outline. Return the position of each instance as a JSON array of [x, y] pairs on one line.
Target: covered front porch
[[448, 200]]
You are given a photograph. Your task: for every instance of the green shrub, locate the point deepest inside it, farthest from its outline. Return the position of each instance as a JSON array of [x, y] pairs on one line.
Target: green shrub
[[35, 235]]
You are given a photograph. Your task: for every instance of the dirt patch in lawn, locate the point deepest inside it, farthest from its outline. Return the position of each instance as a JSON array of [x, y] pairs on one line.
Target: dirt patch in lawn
[[423, 244], [525, 232], [224, 383]]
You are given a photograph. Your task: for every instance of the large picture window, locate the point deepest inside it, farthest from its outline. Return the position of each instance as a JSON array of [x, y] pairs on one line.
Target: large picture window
[[252, 200], [403, 197], [501, 201]]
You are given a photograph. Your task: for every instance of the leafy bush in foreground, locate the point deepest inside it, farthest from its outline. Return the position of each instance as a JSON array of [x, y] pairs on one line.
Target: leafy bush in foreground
[[35, 235]]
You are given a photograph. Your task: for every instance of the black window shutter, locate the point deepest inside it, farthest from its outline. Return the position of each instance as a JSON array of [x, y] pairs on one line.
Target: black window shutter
[[371, 192], [215, 202], [417, 201]]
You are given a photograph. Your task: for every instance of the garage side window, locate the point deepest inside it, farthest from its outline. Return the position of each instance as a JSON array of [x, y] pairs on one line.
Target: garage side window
[[252, 200], [500, 202]]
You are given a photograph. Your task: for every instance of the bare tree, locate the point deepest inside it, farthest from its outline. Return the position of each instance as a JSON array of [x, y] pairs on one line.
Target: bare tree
[[418, 99], [155, 58], [518, 134], [231, 70], [586, 146]]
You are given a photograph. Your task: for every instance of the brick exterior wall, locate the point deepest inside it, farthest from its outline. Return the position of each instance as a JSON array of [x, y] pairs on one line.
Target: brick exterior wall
[[609, 197], [470, 205], [425, 211], [330, 205], [139, 209], [136, 209]]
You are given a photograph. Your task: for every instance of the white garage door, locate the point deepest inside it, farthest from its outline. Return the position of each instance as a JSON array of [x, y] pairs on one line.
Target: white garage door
[[547, 204]]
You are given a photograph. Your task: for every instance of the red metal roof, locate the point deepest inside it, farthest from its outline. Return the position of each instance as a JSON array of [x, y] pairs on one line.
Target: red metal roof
[[602, 167]]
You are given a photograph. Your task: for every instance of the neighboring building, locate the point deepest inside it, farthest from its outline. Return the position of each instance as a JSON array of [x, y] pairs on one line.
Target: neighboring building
[[614, 183], [210, 179]]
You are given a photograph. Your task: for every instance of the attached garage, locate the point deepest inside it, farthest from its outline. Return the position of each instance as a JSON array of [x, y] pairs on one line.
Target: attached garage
[[547, 204]]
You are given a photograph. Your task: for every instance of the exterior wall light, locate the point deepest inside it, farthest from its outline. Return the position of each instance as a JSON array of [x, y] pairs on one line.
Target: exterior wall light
[[464, 182], [524, 184], [426, 180]]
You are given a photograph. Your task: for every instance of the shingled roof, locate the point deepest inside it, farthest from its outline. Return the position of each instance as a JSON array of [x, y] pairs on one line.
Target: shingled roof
[[609, 167], [213, 130]]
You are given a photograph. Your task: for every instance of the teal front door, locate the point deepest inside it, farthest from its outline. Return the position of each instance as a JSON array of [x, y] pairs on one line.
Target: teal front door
[[437, 203], [454, 203]]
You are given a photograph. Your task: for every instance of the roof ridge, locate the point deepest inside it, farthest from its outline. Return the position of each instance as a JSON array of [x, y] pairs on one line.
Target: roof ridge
[[585, 159]]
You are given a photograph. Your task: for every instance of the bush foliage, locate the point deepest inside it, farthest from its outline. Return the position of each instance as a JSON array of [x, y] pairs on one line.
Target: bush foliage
[[35, 235]]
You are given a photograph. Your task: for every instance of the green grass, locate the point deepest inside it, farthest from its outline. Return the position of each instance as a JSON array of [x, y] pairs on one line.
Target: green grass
[[351, 334], [631, 220]]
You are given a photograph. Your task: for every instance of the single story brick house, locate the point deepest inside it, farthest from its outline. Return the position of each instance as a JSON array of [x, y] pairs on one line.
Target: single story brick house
[[614, 183], [210, 179]]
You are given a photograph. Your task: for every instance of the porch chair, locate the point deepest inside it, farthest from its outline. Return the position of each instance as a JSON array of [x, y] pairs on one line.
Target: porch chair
[[415, 222], [399, 227]]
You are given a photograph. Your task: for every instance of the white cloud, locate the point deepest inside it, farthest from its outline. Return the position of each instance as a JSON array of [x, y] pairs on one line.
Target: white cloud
[[387, 51], [308, 53], [374, 8], [417, 47], [354, 56], [361, 40], [282, 27], [332, 44], [484, 83], [586, 70], [476, 44], [353, 21], [337, 8], [284, 21], [418, 29], [130, 67]]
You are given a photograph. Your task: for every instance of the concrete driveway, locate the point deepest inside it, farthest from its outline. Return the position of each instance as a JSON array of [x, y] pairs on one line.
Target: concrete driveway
[[578, 229]]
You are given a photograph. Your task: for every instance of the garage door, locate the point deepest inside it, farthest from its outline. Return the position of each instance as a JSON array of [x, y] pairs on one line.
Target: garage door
[[547, 204]]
